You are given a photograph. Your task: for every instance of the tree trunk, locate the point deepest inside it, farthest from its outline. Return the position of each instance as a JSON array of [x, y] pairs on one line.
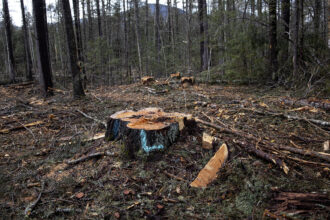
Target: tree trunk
[[90, 21], [98, 13], [147, 37], [296, 39], [273, 38], [286, 23], [328, 6], [317, 14], [39, 10], [189, 10], [11, 61], [203, 34], [26, 45], [137, 33], [79, 40], [157, 37], [259, 7], [74, 67]]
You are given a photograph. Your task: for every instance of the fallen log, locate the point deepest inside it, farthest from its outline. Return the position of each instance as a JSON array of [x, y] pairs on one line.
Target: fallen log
[[323, 104], [291, 117], [268, 145], [146, 130]]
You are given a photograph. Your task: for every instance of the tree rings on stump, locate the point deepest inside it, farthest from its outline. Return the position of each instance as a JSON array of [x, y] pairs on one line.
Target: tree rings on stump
[[147, 130]]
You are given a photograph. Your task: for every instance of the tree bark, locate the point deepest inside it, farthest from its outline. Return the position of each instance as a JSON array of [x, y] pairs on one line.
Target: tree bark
[[296, 39], [26, 45], [203, 34], [273, 37], [286, 23], [147, 37], [90, 21], [11, 60], [98, 13], [79, 40], [39, 10], [74, 67], [137, 33], [157, 26], [317, 14]]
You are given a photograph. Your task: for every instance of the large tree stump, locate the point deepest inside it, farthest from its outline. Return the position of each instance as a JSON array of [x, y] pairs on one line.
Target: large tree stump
[[146, 130], [147, 80]]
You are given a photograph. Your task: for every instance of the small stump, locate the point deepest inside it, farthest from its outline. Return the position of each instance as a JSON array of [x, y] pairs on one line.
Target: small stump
[[145, 131], [187, 81], [176, 75], [147, 80]]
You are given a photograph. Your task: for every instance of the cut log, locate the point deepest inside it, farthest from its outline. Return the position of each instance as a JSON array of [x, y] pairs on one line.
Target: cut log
[[176, 75], [209, 172], [147, 80], [187, 81], [147, 130]]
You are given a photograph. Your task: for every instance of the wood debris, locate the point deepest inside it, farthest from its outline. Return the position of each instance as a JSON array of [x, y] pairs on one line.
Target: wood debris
[[208, 141], [147, 80], [22, 126], [209, 172]]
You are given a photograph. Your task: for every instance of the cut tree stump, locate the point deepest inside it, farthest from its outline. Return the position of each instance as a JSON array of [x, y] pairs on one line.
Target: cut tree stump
[[147, 130], [176, 75], [147, 80], [187, 81]]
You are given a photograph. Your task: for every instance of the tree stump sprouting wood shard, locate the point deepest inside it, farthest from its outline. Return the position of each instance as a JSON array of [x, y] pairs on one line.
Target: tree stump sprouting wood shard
[[147, 130]]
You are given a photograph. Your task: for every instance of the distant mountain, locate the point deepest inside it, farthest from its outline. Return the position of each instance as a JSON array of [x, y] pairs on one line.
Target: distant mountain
[[162, 10]]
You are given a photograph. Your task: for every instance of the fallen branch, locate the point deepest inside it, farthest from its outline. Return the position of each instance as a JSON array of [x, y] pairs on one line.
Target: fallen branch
[[32, 205], [315, 121], [270, 146], [174, 176], [268, 157], [22, 126], [94, 119], [304, 102], [90, 156]]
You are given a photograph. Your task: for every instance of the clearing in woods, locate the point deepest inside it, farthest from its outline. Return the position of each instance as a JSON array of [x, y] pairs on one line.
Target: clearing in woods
[[46, 171]]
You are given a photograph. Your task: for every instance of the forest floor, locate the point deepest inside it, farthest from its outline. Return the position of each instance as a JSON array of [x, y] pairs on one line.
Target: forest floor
[[33, 157]]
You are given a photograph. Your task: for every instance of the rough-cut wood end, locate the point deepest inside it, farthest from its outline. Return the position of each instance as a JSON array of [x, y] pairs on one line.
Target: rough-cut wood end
[[209, 172], [176, 75], [147, 80], [187, 81], [208, 141], [146, 130]]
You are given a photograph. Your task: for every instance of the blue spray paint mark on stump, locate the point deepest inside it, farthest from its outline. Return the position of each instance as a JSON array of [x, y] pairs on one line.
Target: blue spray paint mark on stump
[[146, 148], [115, 129]]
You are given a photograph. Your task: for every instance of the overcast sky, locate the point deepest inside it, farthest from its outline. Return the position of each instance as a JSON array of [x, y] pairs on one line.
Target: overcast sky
[[15, 8]]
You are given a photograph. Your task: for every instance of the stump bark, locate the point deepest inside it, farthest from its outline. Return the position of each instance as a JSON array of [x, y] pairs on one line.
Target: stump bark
[[145, 131], [187, 81]]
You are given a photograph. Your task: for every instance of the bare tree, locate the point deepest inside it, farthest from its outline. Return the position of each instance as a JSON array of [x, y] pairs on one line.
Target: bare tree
[[71, 44], [137, 33], [157, 35], [26, 45], [11, 60], [273, 37], [98, 12], [39, 11], [286, 23]]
